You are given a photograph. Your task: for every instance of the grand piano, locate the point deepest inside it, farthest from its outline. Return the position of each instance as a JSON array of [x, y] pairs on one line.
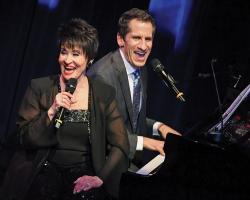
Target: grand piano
[[192, 170]]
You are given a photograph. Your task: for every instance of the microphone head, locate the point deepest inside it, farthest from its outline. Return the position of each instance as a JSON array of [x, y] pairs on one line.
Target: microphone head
[[156, 64], [71, 85]]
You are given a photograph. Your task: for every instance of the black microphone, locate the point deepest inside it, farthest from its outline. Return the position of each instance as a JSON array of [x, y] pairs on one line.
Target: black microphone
[[70, 87], [166, 77]]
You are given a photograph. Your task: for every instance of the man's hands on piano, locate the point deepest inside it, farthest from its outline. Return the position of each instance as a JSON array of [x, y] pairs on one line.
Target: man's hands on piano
[[164, 130], [154, 145]]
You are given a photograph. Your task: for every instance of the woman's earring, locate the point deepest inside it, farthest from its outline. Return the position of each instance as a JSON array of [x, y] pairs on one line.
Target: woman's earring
[[90, 63]]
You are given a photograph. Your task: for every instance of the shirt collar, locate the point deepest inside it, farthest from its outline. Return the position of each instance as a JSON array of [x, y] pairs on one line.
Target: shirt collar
[[129, 68]]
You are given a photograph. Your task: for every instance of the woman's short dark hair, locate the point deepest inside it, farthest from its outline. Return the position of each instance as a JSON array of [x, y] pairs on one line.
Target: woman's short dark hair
[[134, 13], [77, 32]]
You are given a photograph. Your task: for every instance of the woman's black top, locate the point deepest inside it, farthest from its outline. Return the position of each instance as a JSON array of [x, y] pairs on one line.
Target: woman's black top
[[73, 140]]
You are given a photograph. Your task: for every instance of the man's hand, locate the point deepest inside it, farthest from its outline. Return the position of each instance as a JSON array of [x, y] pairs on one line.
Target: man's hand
[[154, 145], [164, 130]]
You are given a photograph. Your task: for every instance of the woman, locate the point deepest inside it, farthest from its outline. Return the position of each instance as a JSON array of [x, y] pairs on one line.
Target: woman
[[86, 155]]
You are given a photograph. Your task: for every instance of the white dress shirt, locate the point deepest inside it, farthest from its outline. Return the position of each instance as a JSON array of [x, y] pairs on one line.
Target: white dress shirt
[[130, 69]]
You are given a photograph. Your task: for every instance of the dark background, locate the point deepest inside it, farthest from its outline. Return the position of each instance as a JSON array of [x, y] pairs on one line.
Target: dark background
[[216, 30]]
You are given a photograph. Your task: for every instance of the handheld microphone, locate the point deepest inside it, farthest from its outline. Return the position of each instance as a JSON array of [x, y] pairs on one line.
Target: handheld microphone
[[166, 77], [70, 87]]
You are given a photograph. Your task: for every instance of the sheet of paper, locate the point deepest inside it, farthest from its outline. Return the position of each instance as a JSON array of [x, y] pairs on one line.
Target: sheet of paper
[[151, 165]]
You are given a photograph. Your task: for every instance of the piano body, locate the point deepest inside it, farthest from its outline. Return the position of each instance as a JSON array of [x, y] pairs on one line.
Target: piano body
[[192, 170]]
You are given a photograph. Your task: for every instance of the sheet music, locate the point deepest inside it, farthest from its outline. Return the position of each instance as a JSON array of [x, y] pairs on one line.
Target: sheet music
[[151, 165]]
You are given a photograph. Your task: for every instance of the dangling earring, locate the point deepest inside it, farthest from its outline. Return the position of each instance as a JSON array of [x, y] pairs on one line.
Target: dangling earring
[[89, 64]]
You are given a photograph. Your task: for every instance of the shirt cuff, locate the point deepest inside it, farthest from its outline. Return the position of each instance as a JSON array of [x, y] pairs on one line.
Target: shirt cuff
[[139, 145], [155, 128]]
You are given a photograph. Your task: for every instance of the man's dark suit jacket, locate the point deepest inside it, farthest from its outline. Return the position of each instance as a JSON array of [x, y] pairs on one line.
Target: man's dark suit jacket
[[112, 70]]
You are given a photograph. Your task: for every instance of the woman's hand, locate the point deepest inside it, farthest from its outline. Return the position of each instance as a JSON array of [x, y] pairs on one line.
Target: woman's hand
[[62, 99], [86, 183]]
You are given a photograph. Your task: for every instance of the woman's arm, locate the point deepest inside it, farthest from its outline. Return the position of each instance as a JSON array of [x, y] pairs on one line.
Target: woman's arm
[[118, 151], [36, 129]]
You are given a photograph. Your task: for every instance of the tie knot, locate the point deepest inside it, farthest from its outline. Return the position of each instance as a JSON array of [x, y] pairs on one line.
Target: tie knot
[[136, 74]]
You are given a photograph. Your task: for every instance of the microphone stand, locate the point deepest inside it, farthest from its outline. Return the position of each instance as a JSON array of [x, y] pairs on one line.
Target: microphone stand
[[218, 134]]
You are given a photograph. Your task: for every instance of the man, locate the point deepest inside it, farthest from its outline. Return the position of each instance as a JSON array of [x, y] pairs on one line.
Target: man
[[124, 70]]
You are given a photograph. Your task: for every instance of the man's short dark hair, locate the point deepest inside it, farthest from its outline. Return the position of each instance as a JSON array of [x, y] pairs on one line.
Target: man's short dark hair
[[134, 13]]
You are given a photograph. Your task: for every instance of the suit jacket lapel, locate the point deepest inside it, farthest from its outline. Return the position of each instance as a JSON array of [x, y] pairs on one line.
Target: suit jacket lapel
[[123, 80]]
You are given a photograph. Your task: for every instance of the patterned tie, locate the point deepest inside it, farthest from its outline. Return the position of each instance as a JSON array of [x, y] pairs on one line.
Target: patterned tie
[[136, 96]]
